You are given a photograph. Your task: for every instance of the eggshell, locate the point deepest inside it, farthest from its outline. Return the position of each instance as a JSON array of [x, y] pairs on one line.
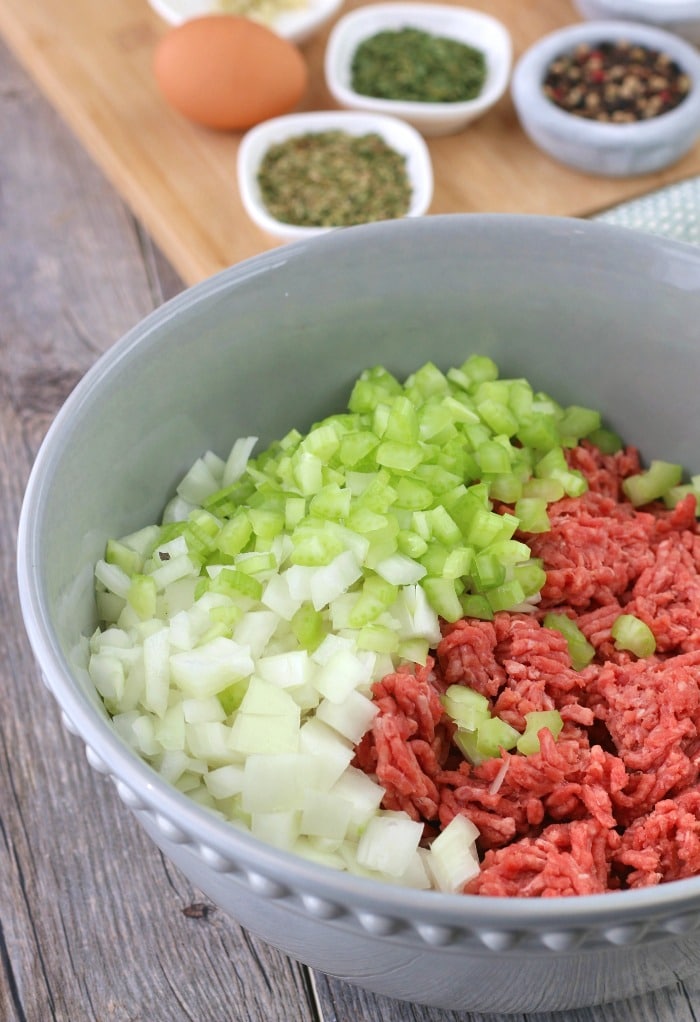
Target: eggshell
[[228, 72]]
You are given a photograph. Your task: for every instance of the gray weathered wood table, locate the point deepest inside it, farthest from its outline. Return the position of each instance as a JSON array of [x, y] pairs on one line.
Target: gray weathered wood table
[[94, 923]]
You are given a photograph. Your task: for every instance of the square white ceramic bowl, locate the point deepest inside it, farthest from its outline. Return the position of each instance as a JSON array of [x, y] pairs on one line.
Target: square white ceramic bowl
[[396, 133], [461, 23], [679, 16], [606, 149], [295, 25]]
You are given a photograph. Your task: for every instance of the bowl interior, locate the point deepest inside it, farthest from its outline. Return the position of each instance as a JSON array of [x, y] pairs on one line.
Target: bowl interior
[[594, 314]]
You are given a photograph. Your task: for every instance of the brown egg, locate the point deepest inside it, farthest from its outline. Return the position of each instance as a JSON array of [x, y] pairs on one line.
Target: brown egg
[[228, 72]]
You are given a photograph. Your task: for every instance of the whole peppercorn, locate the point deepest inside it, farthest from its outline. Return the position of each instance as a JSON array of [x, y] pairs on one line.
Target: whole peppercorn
[[617, 82]]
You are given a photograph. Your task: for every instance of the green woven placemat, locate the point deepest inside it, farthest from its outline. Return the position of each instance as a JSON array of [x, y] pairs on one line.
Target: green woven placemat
[[673, 211]]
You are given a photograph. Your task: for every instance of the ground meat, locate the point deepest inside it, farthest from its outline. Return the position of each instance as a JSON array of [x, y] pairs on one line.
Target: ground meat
[[566, 858], [614, 801]]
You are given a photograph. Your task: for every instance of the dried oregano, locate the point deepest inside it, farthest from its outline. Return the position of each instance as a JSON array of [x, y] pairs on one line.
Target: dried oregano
[[334, 179]]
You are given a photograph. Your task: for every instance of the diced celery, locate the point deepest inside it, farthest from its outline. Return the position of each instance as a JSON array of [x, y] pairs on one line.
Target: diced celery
[[578, 422], [548, 490], [123, 556], [529, 742], [498, 417], [377, 594], [142, 596], [467, 708], [443, 597], [653, 483], [495, 734], [629, 632], [580, 649], [476, 605], [506, 596], [478, 368], [397, 455], [606, 440], [532, 513], [412, 495]]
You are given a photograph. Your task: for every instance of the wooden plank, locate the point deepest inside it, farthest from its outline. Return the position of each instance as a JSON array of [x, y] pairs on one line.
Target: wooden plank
[[94, 63], [94, 923]]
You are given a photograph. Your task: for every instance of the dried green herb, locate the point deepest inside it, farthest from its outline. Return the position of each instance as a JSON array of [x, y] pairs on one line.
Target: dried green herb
[[410, 64], [333, 179]]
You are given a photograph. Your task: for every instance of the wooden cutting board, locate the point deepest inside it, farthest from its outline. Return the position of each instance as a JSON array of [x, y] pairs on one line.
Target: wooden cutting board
[[92, 58]]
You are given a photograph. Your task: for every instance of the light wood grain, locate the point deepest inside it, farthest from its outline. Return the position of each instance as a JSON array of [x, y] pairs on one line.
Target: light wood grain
[[95, 925], [94, 60]]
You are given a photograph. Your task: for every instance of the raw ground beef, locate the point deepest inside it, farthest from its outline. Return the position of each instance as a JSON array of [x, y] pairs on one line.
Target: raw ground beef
[[614, 801]]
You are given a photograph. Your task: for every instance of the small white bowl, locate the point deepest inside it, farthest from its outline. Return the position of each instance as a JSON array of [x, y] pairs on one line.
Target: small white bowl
[[679, 16], [605, 149], [295, 25], [396, 133], [467, 26]]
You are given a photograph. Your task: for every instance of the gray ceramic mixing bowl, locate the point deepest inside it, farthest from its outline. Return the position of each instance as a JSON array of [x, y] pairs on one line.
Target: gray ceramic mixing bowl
[[591, 313]]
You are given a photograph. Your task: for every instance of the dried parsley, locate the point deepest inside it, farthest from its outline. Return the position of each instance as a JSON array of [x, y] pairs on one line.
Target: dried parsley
[[333, 179], [410, 64]]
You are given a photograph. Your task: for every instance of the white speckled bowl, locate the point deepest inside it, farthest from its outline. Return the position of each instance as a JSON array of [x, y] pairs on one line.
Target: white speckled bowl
[[475, 28], [679, 16], [614, 150], [589, 312]]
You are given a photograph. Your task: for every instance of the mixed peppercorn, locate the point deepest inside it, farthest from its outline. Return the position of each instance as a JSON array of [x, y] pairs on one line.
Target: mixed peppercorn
[[618, 82]]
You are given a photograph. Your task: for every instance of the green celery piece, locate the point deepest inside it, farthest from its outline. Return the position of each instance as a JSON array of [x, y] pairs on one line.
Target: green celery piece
[[442, 597], [505, 597], [413, 495], [478, 368], [493, 735], [580, 649], [142, 596], [235, 534], [578, 422], [232, 697], [630, 633], [498, 417], [375, 597], [506, 487], [532, 514], [540, 432], [356, 447], [476, 605], [123, 556], [232, 582], [411, 544], [606, 440], [427, 382], [531, 576], [332, 501], [399, 456], [466, 707], [402, 421], [529, 742], [308, 626], [653, 483], [548, 490]]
